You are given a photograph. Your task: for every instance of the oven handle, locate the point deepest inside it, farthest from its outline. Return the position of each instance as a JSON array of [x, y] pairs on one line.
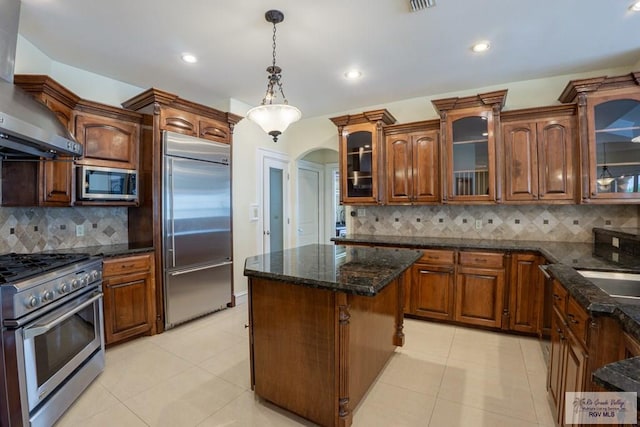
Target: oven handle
[[39, 330]]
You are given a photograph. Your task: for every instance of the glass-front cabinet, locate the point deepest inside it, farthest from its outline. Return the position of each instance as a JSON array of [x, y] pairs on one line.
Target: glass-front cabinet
[[360, 139], [468, 131], [615, 136], [609, 125], [471, 156]]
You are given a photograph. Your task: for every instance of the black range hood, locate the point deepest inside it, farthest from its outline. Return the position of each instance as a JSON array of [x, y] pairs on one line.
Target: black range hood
[[27, 127]]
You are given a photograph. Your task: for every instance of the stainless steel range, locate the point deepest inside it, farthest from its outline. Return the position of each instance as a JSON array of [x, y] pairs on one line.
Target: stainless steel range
[[52, 334]]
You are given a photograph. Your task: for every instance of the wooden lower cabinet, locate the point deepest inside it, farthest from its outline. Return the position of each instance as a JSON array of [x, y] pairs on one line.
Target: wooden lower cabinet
[[629, 347], [526, 291], [479, 296], [432, 291], [129, 297]]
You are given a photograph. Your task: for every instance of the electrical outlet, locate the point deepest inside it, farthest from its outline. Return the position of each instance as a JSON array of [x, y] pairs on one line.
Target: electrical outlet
[[79, 230], [478, 224], [362, 212], [615, 242]]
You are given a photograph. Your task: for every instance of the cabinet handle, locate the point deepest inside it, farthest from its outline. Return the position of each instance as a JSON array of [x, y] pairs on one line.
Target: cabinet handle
[[556, 297], [127, 265], [433, 257], [572, 318], [480, 260]]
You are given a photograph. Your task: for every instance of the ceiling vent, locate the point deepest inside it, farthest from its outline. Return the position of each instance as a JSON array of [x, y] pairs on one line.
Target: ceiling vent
[[421, 4]]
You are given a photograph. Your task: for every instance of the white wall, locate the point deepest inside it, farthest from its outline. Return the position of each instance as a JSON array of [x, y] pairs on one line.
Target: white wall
[[301, 138]]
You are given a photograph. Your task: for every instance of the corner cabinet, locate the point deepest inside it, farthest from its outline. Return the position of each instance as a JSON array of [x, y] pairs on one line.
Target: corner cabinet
[[129, 297], [539, 147], [361, 170], [412, 160], [609, 125], [469, 130]]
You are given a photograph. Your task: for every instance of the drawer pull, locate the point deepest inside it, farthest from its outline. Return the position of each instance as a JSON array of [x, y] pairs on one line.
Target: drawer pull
[[572, 318], [556, 297], [433, 257], [127, 265]]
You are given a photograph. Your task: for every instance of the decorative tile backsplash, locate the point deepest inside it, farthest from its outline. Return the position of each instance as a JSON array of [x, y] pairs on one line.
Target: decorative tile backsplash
[[563, 223], [25, 230]]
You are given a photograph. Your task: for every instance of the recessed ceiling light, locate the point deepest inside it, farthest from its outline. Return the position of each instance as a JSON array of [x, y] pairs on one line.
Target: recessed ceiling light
[[353, 74], [635, 7], [189, 58], [481, 46]]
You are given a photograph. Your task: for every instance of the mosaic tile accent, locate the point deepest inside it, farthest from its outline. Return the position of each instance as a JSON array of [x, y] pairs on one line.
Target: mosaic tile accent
[[26, 230], [561, 223]]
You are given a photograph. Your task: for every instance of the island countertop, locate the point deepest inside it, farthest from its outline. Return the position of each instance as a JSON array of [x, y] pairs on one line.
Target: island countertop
[[355, 270]]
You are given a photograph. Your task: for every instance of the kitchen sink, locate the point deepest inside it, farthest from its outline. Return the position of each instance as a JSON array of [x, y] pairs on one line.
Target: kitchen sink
[[618, 285]]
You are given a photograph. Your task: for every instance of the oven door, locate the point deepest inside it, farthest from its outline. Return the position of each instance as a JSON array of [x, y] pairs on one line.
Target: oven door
[[59, 342]]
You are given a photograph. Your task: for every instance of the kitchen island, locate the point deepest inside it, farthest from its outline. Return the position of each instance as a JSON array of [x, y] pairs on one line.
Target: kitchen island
[[323, 321]]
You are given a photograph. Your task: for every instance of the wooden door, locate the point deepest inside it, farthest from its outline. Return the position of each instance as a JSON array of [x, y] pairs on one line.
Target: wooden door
[[126, 306], [556, 361], [213, 130], [432, 288], [525, 292], [521, 161], [426, 167], [399, 159], [479, 296], [556, 153]]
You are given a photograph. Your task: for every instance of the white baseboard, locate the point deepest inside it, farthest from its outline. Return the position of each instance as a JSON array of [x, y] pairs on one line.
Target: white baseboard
[[242, 297]]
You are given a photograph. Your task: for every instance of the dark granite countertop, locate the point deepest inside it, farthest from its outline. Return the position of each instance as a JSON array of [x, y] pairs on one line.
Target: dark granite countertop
[[356, 270], [110, 250], [620, 376]]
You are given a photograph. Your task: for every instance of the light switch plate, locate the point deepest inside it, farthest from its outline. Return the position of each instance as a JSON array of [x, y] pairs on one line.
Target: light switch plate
[[478, 224], [79, 230], [615, 242]]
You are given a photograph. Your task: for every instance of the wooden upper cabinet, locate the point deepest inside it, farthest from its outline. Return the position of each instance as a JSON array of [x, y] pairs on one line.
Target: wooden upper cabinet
[[609, 129], [360, 137], [468, 130], [540, 156], [179, 121], [179, 115], [412, 163], [108, 141]]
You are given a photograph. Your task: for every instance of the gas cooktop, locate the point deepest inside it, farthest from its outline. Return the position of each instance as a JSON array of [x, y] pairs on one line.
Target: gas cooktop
[[15, 267]]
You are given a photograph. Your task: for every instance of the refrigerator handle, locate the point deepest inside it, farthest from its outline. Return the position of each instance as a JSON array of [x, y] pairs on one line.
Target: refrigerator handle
[[172, 216], [206, 267]]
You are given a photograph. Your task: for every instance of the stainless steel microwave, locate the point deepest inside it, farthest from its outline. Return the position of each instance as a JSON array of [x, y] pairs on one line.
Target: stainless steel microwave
[[103, 183]]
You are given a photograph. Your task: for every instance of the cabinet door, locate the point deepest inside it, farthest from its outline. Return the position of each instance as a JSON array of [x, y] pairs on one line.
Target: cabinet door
[[127, 302], [432, 288], [178, 121], [107, 141], [556, 361], [213, 130], [525, 292], [613, 122], [57, 183], [521, 161], [629, 347], [399, 154], [479, 296], [359, 164], [556, 154], [426, 167], [575, 368]]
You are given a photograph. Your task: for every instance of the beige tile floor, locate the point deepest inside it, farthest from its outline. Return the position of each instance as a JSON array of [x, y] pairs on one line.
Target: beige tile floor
[[198, 375]]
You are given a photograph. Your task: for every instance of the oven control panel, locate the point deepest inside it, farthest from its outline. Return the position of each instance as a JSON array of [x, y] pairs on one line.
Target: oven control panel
[[50, 287]]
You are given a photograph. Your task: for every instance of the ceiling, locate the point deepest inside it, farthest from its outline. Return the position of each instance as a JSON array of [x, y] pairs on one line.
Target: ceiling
[[402, 54]]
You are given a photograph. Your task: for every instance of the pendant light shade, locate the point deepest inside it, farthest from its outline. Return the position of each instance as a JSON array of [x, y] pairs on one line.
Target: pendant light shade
[[272, 116]]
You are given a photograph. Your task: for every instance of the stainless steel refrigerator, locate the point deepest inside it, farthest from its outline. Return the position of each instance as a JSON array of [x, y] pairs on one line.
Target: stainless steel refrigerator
[[196, 227]]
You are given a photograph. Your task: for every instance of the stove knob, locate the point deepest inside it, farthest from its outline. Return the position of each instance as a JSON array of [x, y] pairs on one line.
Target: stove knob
[[75, 284], [47, 296], [64, 288], [31, 301], [94, 275]]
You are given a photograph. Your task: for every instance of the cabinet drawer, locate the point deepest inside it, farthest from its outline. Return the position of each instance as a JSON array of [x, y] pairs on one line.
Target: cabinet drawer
[[434, 256], [559, 295], [115, 266], [577, 319], [481, 259]]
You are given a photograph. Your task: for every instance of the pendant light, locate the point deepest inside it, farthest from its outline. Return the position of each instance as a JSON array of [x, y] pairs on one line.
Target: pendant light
[[272, 116], [605, 177]]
